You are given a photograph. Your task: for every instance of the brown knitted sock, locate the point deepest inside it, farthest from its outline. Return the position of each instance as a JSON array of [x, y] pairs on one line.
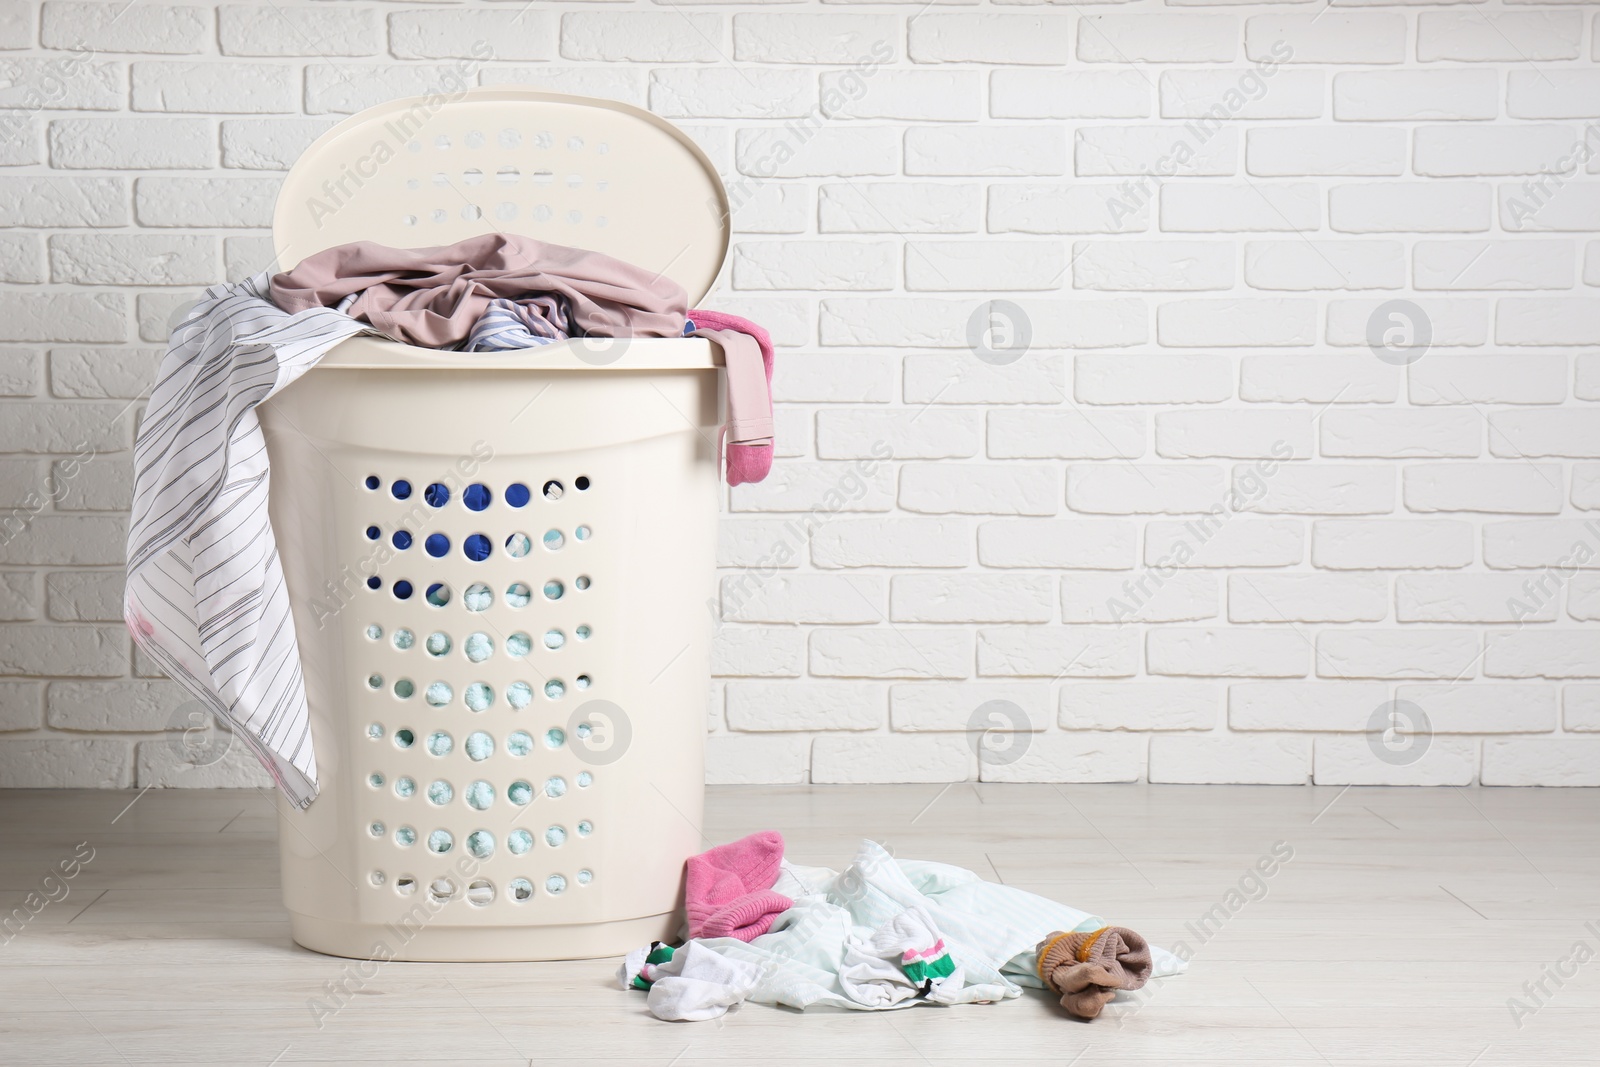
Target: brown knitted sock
[[1087, 969]]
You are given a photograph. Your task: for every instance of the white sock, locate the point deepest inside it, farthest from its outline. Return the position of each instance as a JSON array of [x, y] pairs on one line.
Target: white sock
[[699, 983]]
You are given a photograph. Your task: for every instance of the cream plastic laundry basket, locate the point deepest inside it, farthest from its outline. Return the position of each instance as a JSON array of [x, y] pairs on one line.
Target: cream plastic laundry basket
[[499, 562]]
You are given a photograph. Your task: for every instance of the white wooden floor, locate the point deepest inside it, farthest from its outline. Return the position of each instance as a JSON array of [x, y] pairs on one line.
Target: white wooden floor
[[1397, 933]]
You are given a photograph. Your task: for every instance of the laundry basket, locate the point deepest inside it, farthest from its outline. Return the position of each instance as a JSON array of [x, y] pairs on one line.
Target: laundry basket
[[499, 563]]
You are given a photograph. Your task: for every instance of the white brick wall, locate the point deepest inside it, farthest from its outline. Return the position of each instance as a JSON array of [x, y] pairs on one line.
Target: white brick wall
[[1112, 283]]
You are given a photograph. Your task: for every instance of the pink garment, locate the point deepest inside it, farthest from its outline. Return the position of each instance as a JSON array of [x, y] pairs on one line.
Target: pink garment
[[433, 296], [749, 429], [728, 890]]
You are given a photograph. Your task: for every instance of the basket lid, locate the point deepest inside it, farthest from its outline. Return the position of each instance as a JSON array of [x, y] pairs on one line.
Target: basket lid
[[572, 170]]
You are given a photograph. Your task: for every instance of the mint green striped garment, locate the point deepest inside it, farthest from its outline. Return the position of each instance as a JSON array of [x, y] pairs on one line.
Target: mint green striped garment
[[990, 930]]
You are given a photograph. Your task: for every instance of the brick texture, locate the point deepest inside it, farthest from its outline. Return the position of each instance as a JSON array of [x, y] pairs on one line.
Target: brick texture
[[1238, 365]]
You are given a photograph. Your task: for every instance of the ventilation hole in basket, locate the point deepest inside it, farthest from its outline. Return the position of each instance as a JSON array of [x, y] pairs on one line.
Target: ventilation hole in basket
[[555, 885], [437, 495], [472, 175], [519, 889], [472, 212], [437, 545], [476, 547], [554, 490], [479, 746], [520, 793], [374, 631], [377, 878], [542, 177], [375, 780], [601, 185], [405, 885], [542, 213], [585, 779], [555, 836], [518, 645], [405, 788], [439, 214], [585, 828], [479, 696], [439, 694], [401, 489], [554, 639], [477, 496], [582, 582], [582, 482], [601, 148], [518, 595], [374, 582], [600, 221], [374, 681], [441, 891], [437, 644], [373, 533], [481, 844], [438, 594], [441, 841], [585, 876], [375, 829], [517, 495], [555, 737], [440, 743], [554, 539], [505, 211], [404, 738], [582, 633], [583, 681], [519, 695], [574, 180], [478, 647], [408, 220], [518, 743], [442, 142], [509, 138], [583, 731], [402, 590], [583, 533], [405, 836], [555, 689], [507, 175], [574, 216], [440, 792], [553, 589], [403, 639], [478, 597], [401, 539], [518, 545], [375, 731], [404, 688], [555, 787], [372, 481], [480, 892], [479, 795], [519, 842]]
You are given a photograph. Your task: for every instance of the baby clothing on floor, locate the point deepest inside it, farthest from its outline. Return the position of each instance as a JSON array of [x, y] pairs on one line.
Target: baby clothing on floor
[[728, 889], [904, 958], [638, 967], [1088, 967], [699, 983], [990, 934]]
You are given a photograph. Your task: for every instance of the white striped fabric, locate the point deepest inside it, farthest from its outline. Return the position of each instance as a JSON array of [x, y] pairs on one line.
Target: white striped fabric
[[205, 595]]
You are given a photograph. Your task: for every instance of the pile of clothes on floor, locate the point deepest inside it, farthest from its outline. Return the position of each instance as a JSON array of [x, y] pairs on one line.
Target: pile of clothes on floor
[[883, 933], [205, 595]]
